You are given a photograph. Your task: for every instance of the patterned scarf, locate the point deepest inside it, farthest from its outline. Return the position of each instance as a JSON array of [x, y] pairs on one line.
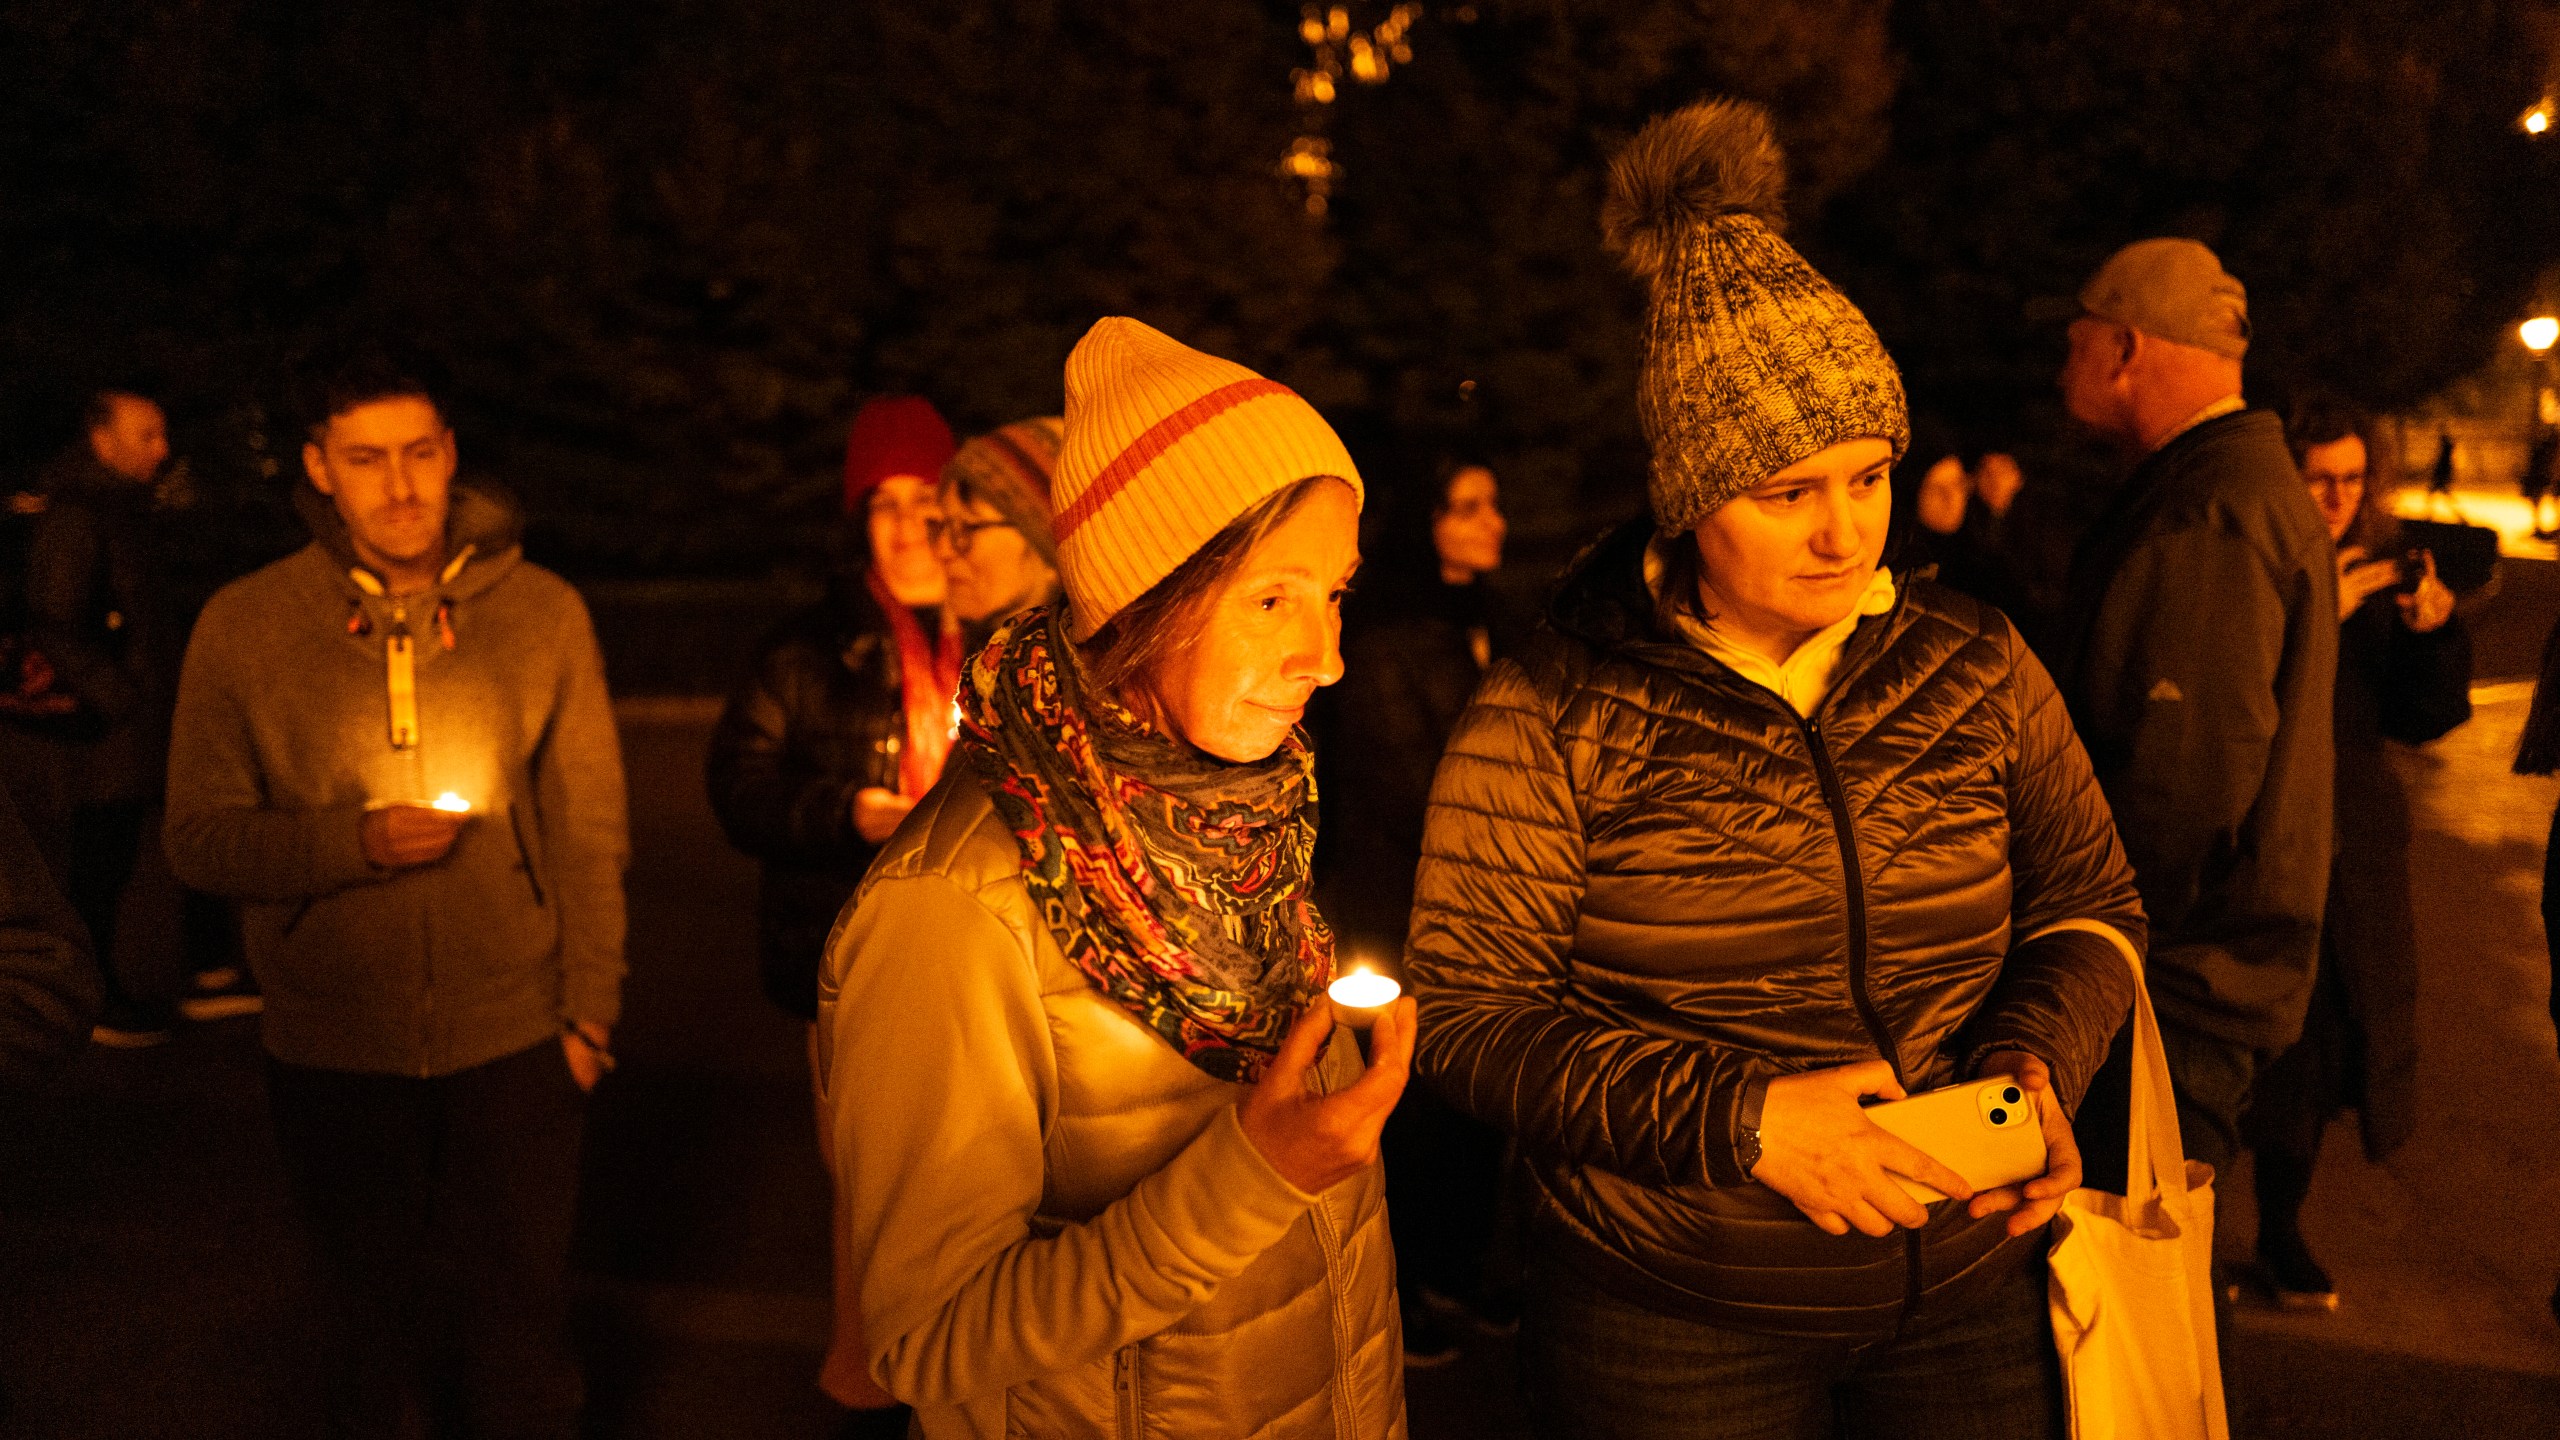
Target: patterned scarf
[[1176, 882]]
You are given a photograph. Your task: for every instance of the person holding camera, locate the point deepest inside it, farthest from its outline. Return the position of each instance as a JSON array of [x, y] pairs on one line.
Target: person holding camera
[[2404, 674]]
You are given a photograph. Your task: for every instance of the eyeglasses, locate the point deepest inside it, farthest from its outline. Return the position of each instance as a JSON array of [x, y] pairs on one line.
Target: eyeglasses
[[960, 534]]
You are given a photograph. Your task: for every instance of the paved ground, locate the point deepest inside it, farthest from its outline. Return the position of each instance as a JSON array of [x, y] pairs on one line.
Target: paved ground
[[150, 1284]]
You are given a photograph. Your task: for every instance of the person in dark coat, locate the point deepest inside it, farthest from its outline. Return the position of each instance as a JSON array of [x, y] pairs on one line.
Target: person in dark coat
[[2199, 670], [105, 614], [2404, 675], [1751, 832], [1417, 637], [839, 728]]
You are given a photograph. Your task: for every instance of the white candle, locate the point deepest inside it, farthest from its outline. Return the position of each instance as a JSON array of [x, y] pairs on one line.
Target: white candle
[[452, 804], [1361, 996]]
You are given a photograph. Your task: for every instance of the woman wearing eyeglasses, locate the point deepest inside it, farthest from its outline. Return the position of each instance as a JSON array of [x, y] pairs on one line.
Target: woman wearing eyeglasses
[[993, 537]]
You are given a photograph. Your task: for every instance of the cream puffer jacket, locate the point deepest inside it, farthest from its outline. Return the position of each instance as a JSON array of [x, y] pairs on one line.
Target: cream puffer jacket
[[1063, 1229]]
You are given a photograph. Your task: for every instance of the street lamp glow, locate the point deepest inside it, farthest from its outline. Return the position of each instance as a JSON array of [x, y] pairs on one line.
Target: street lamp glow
[[2537, 119], [2539, 333]]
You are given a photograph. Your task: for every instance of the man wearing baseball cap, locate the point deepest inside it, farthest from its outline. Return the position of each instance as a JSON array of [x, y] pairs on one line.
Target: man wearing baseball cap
[[2203, 647]]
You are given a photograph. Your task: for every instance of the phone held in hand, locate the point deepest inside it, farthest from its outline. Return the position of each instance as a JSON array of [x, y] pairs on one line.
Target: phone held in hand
[[1988, 1131]]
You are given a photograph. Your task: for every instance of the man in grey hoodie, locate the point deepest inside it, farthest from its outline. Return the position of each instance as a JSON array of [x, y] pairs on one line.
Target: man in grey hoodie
[[395, 749]]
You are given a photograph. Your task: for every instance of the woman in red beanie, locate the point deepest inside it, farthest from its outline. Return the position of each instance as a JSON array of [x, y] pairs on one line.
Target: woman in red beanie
[[839, 729]]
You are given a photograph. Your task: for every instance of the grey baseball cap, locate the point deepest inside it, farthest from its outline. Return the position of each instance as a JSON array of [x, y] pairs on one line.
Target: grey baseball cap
[[2174, 289]]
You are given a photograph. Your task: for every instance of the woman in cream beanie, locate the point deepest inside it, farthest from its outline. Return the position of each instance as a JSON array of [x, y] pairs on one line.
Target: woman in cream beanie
[[1754, 833], [1112, 1166]]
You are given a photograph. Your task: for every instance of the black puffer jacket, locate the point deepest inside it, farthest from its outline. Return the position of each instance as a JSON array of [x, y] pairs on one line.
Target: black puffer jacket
[[1646, 882], [817, 719]]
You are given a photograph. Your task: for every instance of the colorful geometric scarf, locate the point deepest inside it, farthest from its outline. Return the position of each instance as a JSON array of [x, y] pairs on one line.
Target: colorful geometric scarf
[[1176, 882]]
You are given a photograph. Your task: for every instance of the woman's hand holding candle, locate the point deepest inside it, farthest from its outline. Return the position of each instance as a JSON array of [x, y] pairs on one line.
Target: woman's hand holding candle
[[1317, 1141], [398, 837]]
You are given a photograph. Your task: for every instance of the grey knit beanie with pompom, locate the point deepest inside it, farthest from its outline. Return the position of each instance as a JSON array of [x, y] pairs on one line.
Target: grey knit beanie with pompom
[[1752, 361]]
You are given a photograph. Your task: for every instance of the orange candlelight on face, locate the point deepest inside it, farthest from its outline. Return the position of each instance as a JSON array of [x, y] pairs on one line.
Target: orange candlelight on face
[[452, 804]]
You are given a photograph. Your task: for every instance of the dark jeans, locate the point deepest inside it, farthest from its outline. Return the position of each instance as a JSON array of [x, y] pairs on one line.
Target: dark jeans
[[103, 848], [1599, 1368], [441, 1211]]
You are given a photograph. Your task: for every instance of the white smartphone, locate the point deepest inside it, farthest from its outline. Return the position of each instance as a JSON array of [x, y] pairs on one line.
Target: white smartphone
[[1988, 1131]]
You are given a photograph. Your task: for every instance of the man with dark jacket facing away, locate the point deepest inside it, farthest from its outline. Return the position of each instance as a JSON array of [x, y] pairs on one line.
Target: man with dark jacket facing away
[[441, 981], [2199, 662], [106, 616]]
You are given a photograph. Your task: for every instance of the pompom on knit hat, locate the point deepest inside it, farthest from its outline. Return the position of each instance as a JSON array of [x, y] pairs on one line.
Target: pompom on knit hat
[[1012, 468], [1752, 361], [893, 435], [1165, 447]]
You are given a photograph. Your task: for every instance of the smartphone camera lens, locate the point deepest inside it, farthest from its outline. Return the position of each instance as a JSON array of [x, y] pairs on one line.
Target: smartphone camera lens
[[1999, 1117], [2011, 1095]]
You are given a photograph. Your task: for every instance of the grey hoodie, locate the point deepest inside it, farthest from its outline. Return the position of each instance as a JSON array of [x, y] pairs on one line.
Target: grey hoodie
[[283, 737]]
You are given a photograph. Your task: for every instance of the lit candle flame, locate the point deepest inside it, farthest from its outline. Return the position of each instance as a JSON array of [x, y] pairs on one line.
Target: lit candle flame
[[452, 804], [1364, 989]]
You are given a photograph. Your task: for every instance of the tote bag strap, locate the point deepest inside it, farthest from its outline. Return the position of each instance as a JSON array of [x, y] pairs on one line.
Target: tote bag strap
[[2155, 1153]]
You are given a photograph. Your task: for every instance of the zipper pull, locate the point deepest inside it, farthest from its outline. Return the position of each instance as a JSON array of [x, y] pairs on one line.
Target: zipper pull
[[400, 664]]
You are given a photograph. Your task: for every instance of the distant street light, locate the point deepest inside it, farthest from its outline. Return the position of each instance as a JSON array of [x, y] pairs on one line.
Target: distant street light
[[2539, 333], [2537, 119]]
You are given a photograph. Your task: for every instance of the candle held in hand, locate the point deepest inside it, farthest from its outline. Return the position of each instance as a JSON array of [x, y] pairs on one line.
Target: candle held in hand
[[1361, 996], [452, 804]]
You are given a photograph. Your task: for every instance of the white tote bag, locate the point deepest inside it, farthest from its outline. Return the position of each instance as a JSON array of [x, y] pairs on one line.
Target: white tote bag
[[2132, 1274]]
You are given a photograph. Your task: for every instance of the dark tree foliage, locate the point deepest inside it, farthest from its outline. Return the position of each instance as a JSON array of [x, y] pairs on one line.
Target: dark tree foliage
[[667, 245], [1469, 206], [2357, 164]]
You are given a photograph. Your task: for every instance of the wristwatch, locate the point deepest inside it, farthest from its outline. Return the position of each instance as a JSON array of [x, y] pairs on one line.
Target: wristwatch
[[1746, 1140]]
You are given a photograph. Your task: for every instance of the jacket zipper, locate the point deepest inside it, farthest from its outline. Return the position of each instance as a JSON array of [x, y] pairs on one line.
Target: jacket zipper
[[1838, 800], [1330, 1243], [1128, 1387]]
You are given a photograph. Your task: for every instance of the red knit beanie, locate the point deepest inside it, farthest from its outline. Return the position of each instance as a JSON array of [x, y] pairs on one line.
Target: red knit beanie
[[893, 435]]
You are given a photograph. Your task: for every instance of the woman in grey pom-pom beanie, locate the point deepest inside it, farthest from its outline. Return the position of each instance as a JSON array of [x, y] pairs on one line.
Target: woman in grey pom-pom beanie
[[1755, 833]]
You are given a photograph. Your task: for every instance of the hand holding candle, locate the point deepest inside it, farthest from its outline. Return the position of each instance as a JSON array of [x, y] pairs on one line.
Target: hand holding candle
[[1317, 1139], [400, 836]]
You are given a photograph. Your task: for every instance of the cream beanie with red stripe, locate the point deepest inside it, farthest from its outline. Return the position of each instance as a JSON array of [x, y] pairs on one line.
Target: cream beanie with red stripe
[[1165, 447]]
